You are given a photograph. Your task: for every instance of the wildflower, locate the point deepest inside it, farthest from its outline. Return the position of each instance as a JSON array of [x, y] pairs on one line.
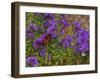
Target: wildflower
[[42, 53], [30, 35], [77, 24], [37, 43], [64, 22], [46, 24], [52, 31], [82, 41], [48, 16], [66, 42], [33, 27], [33, 61]]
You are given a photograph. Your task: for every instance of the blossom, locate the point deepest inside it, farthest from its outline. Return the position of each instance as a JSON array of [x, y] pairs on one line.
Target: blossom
[[30, 35], [77, 24], [53, 22], [52, 31], [42, 53], [43, 36], [48, 16], [49, 23], [46, 24], [82, 48], [33, 61], [66, 42], [37, 43], [82, 35], [82, 41], [64, 22], [33, 27], [62, 31], [51, 28]]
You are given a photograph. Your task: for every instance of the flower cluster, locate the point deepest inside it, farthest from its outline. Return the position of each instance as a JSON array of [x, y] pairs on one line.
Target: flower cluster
[[82, 44], [82, 39], [32, 61], [66, 42], [50, 37]]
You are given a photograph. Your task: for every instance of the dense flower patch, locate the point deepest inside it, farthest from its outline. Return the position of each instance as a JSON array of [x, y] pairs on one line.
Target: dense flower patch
[[56, 39]]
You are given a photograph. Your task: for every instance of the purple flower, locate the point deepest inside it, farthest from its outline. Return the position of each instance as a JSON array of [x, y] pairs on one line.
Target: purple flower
[[82, 35], [77, 24], [82, 41], [37, 43], [42, 53], [64, 22], [33, 61], [46, 24], [42, 37], [69, 38], [66, 42], [62, 31], [51, 28], [54, 35], [82, 48], [52, 31], [48, 16], [33, 27], [52, 22], [29, 35]]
